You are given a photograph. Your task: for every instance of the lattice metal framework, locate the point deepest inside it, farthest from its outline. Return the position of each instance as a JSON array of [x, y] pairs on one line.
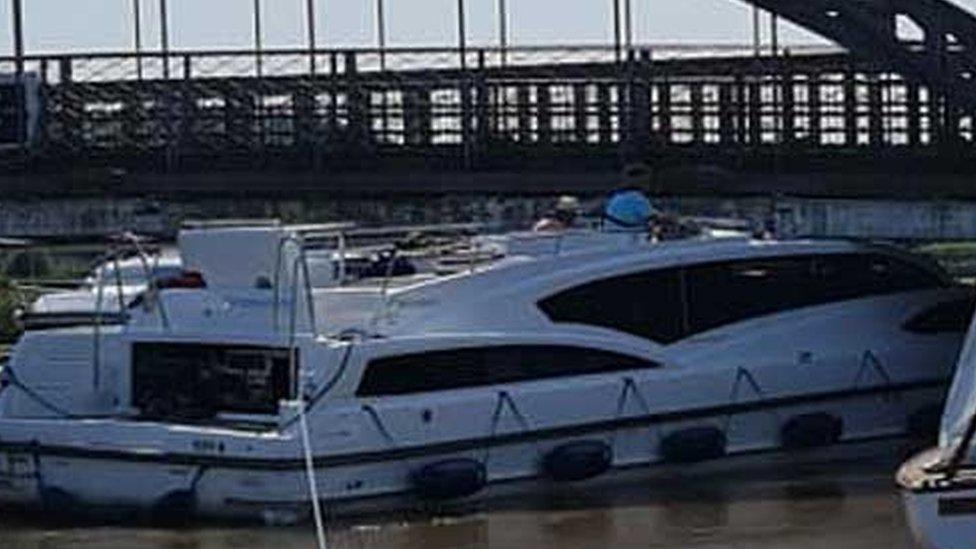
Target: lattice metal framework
[[476, 110], [944, 58]]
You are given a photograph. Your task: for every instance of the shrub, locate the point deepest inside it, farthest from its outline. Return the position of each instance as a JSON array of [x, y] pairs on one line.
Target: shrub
[[11, 298]]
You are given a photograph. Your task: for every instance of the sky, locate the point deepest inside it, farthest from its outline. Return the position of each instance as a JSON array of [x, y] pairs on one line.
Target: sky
[[53, 26]]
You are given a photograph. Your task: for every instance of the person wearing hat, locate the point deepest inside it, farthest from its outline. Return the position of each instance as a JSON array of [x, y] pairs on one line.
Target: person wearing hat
[[562, 217], [630, 210]]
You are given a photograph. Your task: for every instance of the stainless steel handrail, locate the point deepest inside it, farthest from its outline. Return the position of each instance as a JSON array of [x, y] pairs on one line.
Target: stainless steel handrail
[[303, 235], [113, 256], [151, 282]]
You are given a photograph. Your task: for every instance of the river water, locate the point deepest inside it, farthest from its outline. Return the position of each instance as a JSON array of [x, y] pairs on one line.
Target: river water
[[837, 498]]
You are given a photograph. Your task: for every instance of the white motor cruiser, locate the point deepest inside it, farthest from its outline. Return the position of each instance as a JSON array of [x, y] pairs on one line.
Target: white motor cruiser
[[106, 292], [939, 485], [256, 394]]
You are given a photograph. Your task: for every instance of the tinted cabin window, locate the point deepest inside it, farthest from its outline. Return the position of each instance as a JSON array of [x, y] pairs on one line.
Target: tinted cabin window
[[851, 276], [483, 366], [668, 305], [948, 317], [723, 293], [647, 305]]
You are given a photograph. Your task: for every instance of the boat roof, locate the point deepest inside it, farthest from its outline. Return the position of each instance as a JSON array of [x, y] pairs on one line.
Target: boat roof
[[665, 254], [497, 295]]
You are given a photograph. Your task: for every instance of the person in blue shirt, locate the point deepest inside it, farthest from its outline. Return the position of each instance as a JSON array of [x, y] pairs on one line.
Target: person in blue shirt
[[629, 209]]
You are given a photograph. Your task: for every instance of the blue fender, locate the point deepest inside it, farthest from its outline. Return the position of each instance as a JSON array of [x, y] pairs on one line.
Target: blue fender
[[578, 460], [175, 505], [694, 444], [58, 501], [811, 431], [449, 479]]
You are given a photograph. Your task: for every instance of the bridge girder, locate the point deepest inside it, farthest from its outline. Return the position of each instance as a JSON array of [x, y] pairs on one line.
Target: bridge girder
[[945, 59]]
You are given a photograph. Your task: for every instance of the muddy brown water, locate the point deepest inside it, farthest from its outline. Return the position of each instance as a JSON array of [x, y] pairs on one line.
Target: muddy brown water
[[837, 498]]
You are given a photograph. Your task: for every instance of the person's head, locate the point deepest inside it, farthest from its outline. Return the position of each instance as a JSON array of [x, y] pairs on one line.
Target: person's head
[[567, 208], [637, 176]]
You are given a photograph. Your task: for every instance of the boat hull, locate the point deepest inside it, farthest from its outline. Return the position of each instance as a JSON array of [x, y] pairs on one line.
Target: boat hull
[[79, 478], [942, 520]]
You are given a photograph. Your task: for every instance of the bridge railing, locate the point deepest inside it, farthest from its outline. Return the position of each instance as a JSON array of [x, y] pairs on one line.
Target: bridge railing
[[473, 108], [111, 66]]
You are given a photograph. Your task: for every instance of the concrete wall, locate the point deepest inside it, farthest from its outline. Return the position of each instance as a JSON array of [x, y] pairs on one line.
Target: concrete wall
[[92, 218], [877, 219], [847, 218], [78, 218]]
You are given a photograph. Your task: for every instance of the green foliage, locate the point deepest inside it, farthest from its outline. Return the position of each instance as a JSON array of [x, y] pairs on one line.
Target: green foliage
[[958, 258], [950, 249], [11, 298], [29, 264]]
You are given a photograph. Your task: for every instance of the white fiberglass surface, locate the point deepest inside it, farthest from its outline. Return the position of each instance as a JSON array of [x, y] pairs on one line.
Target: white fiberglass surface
[[133, 271], [81, 300], [961, 405]]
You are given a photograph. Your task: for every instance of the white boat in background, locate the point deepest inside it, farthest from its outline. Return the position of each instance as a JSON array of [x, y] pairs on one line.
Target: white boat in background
[[257, 394], [939, 485], [367, 258], [119, 280], [107, 291]]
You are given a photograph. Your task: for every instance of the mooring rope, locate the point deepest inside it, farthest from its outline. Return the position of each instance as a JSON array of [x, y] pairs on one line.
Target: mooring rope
[[301, 261], [312, 481]]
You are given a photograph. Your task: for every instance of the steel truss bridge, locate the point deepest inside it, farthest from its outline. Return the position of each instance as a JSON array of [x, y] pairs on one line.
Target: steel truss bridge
[[881, 116], [884, 114]]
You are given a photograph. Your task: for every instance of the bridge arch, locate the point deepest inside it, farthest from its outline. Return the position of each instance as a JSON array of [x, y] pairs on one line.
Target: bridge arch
[[945, 58]]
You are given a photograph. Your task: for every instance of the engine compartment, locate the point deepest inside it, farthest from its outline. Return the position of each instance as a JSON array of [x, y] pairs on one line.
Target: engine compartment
[[190, 381]]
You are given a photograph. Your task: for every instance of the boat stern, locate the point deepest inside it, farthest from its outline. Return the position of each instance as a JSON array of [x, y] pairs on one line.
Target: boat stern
[[941, 511]]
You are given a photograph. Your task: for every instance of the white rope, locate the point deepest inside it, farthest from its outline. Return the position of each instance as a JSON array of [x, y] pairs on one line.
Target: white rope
[[320, 536], [312, 482]]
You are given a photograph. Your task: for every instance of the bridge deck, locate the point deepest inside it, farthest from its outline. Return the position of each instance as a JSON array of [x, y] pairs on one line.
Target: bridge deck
[[568, 118]]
